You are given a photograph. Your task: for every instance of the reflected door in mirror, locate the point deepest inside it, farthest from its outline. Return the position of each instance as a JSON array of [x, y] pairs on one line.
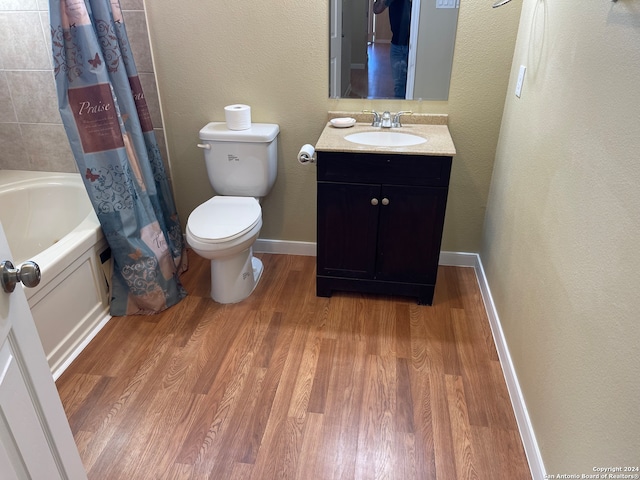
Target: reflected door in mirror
[[360, 67]]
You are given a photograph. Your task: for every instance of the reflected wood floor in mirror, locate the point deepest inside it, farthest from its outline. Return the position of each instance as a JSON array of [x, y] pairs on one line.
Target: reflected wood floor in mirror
[[376, 80], [292, 386]]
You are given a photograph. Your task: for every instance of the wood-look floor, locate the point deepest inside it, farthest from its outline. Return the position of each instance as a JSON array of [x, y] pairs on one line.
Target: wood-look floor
[[376, 80], [288, 385]]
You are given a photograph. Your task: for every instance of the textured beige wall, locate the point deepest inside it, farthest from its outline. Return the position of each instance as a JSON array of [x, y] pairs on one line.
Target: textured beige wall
[[270, 56], [274, 57], [561, 236]]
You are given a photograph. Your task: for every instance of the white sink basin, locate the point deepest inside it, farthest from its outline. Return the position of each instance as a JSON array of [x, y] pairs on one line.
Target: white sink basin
[[385, 138]]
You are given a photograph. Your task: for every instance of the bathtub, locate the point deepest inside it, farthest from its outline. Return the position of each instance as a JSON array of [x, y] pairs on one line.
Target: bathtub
[[48, 218]]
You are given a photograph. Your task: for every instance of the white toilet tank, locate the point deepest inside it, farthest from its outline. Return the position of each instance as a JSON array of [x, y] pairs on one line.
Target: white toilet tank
[[241, 163]]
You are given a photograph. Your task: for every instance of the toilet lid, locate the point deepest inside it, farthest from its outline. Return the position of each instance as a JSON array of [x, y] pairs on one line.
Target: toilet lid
[[221, 218]]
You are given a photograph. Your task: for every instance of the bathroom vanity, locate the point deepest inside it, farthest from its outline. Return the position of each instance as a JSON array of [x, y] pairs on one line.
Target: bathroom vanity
[[381, 211]]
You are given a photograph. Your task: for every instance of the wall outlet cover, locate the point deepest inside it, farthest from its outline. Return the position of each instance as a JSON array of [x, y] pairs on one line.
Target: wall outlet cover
[[523, 69]]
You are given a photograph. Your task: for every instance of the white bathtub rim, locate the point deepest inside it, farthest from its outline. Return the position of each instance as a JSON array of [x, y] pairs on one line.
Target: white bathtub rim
[[83, 245], [17, 177], [52, 260], [23, 180]]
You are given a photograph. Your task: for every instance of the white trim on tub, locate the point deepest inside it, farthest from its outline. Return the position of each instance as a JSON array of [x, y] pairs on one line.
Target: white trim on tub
[[470, 260], [80, 347]]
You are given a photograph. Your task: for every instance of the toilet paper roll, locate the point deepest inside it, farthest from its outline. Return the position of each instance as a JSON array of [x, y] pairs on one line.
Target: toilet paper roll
[[307, 154], [238, 117]]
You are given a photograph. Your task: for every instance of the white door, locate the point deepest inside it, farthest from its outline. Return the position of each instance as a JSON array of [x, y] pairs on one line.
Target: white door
[[335, 48], [413, 48], [35, 439]]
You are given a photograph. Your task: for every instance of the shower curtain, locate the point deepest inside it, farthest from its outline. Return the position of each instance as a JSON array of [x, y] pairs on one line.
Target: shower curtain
[[109, 128]]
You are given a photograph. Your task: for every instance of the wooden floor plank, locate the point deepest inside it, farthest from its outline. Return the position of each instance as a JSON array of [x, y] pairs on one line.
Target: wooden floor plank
[[289, 385], [442, 427], [425, 460], [342, 407], [318, 395], [475, 370], [306, 373], [376, 435], [311, 465], [403, 331], [403, 417], [461, 429]]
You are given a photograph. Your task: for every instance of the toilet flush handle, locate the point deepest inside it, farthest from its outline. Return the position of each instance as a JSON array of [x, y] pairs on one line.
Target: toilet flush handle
[[206, 146]]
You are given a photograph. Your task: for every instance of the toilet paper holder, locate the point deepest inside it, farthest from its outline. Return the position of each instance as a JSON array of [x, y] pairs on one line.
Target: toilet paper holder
[[307, 154]]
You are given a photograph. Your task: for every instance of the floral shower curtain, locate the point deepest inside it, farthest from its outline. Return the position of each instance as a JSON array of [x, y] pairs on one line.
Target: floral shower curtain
[[108, 124]]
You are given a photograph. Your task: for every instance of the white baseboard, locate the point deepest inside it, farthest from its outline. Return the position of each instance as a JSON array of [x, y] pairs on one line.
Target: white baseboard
[[307, 249], [460, 259], [536, 465]]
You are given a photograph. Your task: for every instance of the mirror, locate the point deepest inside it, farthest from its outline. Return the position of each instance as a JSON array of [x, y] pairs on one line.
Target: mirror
[[360, 44]]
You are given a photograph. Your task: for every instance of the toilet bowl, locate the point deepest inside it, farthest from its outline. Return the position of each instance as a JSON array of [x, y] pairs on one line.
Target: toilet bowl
[[223, 230], [241, 166]]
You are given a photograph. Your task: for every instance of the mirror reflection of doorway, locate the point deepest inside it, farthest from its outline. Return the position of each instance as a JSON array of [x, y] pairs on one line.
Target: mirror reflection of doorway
[[373, 79], [356, 61]]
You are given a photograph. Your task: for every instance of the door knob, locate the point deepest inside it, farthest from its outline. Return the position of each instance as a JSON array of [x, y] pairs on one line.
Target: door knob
[[374, 201], [385, 201], [28, 273]]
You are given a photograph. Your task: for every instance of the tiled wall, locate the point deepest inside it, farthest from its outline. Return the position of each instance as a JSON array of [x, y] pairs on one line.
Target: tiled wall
[[32, 136]]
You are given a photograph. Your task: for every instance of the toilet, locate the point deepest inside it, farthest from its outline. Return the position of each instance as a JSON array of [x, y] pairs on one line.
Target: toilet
[[242, 168]]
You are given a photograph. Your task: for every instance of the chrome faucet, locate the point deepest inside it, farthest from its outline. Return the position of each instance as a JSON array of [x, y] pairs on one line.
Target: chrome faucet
[[386, 120], [376, 117], [396, 118]]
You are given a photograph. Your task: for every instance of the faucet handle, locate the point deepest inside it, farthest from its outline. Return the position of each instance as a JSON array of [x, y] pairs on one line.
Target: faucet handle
[[376, 117], [386, 120], [396, 118]]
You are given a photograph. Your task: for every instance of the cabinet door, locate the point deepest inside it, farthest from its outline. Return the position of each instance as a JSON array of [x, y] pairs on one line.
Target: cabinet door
[[347, 229], [411, 221]]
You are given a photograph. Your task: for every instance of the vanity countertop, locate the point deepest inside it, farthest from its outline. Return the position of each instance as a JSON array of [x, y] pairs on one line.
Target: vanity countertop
[[439, 141]]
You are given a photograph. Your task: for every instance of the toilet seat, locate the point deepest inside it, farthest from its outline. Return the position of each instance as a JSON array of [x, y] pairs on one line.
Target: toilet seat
[[222, 219]]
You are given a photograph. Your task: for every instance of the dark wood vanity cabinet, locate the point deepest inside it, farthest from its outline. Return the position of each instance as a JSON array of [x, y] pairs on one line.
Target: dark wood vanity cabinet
[[380, 221]]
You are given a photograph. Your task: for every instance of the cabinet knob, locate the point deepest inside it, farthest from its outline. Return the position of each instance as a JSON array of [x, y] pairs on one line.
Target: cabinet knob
[[385, 201], [374, 201]]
